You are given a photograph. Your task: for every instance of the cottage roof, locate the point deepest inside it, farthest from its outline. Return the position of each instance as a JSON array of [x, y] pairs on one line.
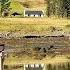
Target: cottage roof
[[33, 12]]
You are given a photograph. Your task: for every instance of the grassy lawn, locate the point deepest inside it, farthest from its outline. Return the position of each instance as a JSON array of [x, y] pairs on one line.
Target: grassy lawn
[[34, 25]]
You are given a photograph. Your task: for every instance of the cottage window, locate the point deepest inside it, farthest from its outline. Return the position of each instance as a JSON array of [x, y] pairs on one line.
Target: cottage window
[[33, 67]]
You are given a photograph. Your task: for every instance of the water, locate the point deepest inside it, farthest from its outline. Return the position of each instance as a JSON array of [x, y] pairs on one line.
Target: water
[[17, 45], [63, 66], [60, 66]]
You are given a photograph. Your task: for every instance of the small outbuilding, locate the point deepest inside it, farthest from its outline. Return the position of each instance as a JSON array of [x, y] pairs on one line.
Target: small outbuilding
[[16, 14], [28, 13]]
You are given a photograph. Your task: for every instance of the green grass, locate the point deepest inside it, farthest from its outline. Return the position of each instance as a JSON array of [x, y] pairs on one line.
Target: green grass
[[34, 25]]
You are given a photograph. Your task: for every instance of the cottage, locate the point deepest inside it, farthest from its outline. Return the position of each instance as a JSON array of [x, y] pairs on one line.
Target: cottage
[[33, 13], [34, 67]]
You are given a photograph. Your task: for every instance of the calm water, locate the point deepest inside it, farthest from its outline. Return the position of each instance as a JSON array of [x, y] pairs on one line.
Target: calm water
[[63, 66], [37, 42]]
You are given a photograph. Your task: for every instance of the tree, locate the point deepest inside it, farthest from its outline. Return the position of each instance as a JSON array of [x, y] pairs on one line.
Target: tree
[[0, 8], [5, 7], [53, 7], [58, 7], [66, 4]]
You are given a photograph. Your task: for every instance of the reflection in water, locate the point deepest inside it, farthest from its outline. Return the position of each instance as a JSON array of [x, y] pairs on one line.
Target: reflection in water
[[62, 66]]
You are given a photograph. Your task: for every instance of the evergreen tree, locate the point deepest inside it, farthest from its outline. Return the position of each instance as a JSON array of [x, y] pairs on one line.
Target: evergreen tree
[[66, 4], [58, 7], [53, 7], [0, 8]]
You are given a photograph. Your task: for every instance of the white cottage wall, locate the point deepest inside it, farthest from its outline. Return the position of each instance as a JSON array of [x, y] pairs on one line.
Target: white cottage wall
[[36, 15]]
